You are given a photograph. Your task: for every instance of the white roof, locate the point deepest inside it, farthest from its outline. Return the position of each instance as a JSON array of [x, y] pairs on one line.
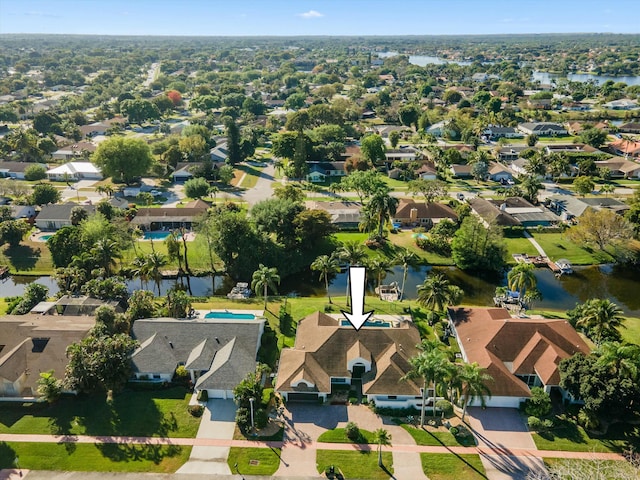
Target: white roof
[[75, 167]]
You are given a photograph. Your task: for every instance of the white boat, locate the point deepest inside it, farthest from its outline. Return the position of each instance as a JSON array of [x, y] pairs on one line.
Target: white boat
[[565, 266], [388, 293], [240, 292]]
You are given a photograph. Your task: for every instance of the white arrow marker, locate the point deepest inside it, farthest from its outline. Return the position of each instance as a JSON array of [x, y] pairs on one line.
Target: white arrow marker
[[357, 317]]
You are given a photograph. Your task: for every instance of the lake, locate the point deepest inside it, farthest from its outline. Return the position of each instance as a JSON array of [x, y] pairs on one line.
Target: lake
[[619, 284], [542, 77]]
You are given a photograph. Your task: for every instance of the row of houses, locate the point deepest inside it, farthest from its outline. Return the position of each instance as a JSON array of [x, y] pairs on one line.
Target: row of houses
[[70, 171], [328, 355]]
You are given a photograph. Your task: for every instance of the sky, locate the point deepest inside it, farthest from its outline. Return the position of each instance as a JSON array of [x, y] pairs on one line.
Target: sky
[[317, 17]]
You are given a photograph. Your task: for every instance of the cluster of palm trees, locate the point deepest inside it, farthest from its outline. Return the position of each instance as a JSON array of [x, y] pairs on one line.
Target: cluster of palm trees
[[599, 319], [522, 279], [458, 382], [375, 214], [149, 267], [353, 253]]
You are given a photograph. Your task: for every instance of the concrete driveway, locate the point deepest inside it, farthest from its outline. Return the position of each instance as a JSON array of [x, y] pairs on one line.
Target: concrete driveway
[[503, 429], [218, 421]]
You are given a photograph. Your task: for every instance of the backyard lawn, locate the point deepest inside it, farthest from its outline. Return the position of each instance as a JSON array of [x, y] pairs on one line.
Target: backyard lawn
[[362, 465], [557, 246], [631, 333], [158, 413], [519, 245], [28, 258], [254, 461], [437, 466], [94, 457]]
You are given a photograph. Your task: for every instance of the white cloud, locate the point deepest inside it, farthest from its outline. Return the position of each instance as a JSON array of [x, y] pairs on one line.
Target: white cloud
[[311, 14]]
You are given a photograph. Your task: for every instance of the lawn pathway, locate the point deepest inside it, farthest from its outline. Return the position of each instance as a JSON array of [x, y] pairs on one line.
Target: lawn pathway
[[536, 245]]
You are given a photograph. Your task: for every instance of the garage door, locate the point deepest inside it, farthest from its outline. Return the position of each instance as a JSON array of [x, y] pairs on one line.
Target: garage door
[[303, 397]]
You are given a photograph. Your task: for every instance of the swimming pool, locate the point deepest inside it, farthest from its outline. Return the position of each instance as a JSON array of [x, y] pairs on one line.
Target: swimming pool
[[44, 238], [156, 235], [368, 323], [230, 316]]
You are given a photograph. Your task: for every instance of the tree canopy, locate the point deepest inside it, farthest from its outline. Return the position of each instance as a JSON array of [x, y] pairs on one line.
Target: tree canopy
[[123, 158]]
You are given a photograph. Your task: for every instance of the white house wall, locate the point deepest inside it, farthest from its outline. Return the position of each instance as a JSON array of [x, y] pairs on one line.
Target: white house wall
[[497, 401]]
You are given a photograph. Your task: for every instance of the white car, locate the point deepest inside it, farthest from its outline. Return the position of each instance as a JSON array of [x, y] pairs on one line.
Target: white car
[[156, 193]]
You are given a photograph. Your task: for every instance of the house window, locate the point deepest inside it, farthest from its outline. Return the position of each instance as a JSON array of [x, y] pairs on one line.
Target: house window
[[156, 376], [392, 397], [530, 380], [339, 380], [39, 344]]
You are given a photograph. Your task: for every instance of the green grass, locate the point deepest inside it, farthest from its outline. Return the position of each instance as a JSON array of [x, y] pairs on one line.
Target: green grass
[[90, 457], [437, 438], [363, 465], [268, 460], [338, 435], [557, 245], [568, 436], [161, 413], [3, 306], [631, 333], [250, 177], [519, 245], [437, 466], [28, 258]]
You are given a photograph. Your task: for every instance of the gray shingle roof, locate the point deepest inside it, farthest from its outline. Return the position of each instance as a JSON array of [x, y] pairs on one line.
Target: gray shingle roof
[[225, 350]]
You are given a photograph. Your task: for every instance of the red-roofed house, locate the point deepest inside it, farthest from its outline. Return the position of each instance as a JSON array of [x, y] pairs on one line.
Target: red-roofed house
[[519, 353]]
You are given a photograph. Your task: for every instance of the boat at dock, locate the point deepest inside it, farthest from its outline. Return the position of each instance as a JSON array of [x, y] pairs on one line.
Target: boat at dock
[[240, 292], [388, 293]]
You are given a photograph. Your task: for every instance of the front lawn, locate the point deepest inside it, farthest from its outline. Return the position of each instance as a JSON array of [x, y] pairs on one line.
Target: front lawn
[[428, 436], [94, 457], [519, 245], [438, 466], [362, 465], [338, 435], [251, 175], [254, 461], [158, 413], [566, 435]]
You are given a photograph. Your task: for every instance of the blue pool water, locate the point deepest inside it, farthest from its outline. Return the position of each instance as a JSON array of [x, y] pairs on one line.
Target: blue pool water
[[368, 323], [230, 316], [156, 235], [44, 238]]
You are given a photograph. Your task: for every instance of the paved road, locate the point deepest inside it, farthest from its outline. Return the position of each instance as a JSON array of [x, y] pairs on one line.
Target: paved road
[[262, 189]]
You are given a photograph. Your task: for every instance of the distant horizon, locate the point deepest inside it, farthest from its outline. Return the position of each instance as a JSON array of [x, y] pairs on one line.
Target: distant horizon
[[317, 18]]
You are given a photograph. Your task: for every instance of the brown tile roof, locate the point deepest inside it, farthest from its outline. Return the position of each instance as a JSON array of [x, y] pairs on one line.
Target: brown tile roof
[[431, 210], [323, 348], [489, 212], [507, 346]]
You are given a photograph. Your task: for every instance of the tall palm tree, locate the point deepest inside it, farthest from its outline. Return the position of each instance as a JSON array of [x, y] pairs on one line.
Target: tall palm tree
[[140, 270], [326, 265], [368, 221], [106, 252], [623, 358], [474, 385], [522, 278], [453, 380], [531, 185], [353, 253], [154, 262], [381, 437], [380, 267], [382, 207], [607, 189], [430, 366], [436, 293], [265, 278], [602, 318], [406, 258]]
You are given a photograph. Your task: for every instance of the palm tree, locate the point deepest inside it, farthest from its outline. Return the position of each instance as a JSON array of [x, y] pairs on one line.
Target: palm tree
[[522, 278], [619, 358], [406, 258], [382, 207], [140, 270], [607, 189], [380, 267], [368, 222], [430, 366], [436, 292], [601, 318], [474, 385], [453, 379], [326, 265], [353, 253], [154, 262], [531, 185], [106, 252], [265, 278], [382, 437]]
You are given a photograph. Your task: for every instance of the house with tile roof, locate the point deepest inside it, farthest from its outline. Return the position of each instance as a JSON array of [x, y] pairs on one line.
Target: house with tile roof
[[329, 354], [412, 213], [54, 217], [217, 353], [518, 353], [167, 218], [344, 215], [32, 344], [542, 129]]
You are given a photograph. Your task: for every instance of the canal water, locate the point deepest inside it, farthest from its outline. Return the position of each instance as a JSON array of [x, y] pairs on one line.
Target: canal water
[[618, 284]]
